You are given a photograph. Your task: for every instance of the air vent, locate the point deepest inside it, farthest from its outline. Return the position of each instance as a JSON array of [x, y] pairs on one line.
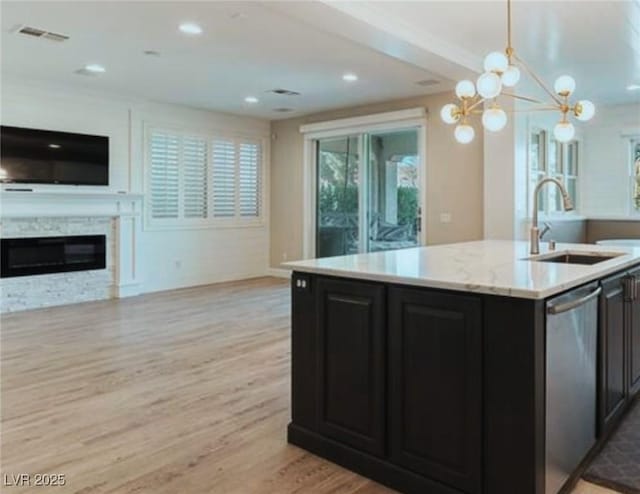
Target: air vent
[[283, 110], [86, 72], [284, 92], [428, 82], [40, 33]]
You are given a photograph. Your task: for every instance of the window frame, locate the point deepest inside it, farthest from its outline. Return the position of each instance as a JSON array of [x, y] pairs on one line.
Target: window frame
[[561, 172], [210, 222]]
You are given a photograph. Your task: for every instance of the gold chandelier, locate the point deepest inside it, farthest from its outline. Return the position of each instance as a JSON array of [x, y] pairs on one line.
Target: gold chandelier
[[502, 70]]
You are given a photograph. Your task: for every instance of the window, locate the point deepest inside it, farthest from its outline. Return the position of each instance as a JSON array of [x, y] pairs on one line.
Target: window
[[548, 158], [635, 174], [195, 180]]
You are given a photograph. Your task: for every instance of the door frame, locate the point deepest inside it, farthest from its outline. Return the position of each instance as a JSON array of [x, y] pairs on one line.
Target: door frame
[[415, 118]]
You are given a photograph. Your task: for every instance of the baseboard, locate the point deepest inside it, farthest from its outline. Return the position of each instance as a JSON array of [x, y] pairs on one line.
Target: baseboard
[[279, 273], [365, 464], [127, 290]]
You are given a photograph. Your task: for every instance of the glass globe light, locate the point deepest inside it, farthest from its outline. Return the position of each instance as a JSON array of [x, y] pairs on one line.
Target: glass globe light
[[496, 62], [564, 85], [494, 119], [585, 110], [450, 113], [564, 131], [464, 133], [489, 85], [511, 76], [465, 89]]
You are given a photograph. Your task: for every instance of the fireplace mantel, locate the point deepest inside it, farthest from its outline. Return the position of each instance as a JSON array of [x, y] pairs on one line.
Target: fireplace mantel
[[37, 204]]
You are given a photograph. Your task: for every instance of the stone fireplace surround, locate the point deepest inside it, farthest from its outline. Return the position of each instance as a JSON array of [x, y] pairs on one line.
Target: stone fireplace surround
[[39, 214]]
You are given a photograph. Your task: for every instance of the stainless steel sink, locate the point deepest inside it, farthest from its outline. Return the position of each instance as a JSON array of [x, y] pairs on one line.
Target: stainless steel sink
[[577, 257]]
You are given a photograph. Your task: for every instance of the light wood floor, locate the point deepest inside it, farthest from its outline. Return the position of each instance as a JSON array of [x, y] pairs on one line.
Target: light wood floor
[[176, 392]]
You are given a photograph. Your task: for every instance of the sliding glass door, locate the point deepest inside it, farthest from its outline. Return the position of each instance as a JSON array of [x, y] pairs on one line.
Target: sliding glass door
[[368, 192], [337, 196]]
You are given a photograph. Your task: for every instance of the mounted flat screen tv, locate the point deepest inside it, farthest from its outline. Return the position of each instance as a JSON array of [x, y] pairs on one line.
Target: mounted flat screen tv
[[31, 156]]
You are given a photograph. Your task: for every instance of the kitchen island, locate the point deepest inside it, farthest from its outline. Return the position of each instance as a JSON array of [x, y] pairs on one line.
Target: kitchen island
[[464, 368]]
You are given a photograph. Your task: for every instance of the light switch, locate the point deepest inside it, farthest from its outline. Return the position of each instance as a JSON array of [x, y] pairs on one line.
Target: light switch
[[445, 217]]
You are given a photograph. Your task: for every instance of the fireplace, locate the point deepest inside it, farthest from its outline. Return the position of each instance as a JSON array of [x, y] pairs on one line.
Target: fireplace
[[27, 256]]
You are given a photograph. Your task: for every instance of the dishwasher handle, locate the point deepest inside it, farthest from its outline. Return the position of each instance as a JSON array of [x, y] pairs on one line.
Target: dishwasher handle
[[567, 306]]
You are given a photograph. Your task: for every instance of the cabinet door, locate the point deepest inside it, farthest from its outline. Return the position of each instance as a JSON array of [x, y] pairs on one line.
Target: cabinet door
[[435, 385], [612, 390], [633, 336], [351, 363]]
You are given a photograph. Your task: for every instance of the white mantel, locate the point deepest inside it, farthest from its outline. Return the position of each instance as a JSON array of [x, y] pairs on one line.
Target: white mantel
[[124, 208]]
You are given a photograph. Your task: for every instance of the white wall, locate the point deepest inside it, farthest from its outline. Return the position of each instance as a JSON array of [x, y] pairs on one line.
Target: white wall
[[605, 176], [169, 258]]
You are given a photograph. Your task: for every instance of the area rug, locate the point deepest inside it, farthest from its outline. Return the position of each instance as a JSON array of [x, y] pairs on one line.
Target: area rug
[[617, 466]]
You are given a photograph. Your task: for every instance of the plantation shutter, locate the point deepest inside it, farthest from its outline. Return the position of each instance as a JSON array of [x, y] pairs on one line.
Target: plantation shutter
[[194, 177], [164, 175], [249, 179], [224, 178]]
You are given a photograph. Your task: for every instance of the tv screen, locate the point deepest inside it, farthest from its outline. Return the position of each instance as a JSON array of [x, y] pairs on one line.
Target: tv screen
[[49, 157]]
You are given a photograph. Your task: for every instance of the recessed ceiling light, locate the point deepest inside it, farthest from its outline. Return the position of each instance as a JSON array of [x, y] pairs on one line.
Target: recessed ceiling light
[[251, 99], [190, 28], [633, 87], [54, 146], [350, 77], [95, 68]]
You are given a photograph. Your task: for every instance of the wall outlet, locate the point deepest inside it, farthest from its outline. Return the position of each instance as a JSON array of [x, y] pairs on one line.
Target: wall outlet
[[445, 217], [284, 256], [178, 264]]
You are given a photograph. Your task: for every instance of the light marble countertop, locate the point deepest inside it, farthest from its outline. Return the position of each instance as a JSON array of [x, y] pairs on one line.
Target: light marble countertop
[[498, 267]]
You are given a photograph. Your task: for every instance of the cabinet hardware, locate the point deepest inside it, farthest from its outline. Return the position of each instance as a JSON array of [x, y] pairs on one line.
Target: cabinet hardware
[[560, 308], [631, 288]]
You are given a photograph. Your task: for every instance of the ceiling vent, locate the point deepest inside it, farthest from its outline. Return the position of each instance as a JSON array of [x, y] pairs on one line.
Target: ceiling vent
[[86, 72], [283, 110], [34, 32], [428, 82], [284, 92]]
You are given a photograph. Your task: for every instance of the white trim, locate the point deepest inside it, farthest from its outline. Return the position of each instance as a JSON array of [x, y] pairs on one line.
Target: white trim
[[279, 273], [368, 121], [631, 132], [415, 118]]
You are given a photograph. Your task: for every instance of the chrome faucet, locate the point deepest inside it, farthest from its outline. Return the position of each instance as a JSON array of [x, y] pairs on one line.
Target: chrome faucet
[[534, 234]]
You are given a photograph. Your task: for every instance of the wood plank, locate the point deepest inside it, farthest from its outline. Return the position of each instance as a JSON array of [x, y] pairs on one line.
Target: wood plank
[[186, 391]]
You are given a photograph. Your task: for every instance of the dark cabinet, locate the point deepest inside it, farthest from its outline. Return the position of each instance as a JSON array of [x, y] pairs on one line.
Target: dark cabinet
[[435, 385], [619, 345], [351, 363], [613, 391]]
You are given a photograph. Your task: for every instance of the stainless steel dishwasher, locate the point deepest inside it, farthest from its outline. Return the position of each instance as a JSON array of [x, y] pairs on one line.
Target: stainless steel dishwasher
[[572, 329]]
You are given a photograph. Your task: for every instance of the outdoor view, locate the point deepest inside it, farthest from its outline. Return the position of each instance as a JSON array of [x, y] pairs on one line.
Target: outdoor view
[[390, 188], [636, 173]]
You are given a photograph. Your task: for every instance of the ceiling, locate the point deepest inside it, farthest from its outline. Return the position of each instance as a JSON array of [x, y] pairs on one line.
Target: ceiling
[[247, 49], [597, 42]]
